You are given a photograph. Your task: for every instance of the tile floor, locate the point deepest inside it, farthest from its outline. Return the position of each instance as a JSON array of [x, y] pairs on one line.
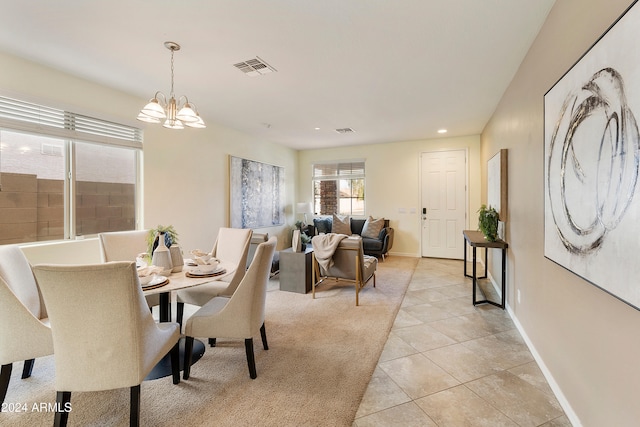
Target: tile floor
[[448, 363]]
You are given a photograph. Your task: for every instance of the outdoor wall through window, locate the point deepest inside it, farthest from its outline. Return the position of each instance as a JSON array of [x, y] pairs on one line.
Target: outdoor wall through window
[[338, 187], [67, 177]]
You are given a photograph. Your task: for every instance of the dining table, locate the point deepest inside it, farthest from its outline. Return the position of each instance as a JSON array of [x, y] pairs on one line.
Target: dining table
[[176, 281]]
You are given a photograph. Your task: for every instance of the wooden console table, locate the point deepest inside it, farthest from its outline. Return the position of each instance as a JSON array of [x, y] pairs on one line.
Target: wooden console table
[[476, 239]]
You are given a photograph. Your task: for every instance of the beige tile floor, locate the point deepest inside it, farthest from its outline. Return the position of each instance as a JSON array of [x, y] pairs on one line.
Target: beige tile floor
[[448, 363]]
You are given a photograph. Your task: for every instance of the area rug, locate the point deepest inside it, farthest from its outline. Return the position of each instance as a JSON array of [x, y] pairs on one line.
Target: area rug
[[321, 356]]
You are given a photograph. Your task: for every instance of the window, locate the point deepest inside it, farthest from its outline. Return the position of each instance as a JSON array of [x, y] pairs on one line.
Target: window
[[338, 188], [63, 175]]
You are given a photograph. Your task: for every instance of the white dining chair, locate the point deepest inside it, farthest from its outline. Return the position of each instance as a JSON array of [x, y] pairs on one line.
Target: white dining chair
[[232, 245], [104, 336], [126, 246], [239, 317], [24, 328]]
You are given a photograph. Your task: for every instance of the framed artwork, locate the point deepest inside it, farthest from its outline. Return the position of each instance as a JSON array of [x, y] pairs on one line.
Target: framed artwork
[[591, 163], [257, 194]]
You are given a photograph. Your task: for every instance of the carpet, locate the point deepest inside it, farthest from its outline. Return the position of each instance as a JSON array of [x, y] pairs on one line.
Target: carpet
[[321, 356]]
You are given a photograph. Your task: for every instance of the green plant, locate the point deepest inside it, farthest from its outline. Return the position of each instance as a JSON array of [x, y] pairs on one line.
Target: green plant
[[170, 237], [488, 222]]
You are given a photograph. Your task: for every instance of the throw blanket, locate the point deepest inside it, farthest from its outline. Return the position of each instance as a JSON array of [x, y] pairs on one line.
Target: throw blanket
[[324, 245]]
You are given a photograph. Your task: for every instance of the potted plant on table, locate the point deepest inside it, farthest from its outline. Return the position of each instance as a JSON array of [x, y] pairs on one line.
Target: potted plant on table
[[488, 222], [170, 238]]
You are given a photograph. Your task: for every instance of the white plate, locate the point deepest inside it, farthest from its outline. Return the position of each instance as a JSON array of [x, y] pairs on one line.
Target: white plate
[[205, 270], [152, 280]]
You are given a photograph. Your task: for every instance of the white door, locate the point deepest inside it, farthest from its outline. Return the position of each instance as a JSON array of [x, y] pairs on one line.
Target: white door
[[444, 203]]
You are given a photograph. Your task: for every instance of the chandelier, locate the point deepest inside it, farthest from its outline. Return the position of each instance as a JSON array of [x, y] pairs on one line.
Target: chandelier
[[176, 114]]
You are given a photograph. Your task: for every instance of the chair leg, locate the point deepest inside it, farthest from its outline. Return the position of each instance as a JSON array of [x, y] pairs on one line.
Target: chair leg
[[251, 361], [175, 363], [263, 334], [212, 342], [5, 376], [188, 350], [27, 368], [63, 398], [134, 409], [180, 313]]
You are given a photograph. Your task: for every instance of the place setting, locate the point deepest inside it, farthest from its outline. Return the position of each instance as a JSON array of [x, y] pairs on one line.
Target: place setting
[[205, 265], [151, 276]]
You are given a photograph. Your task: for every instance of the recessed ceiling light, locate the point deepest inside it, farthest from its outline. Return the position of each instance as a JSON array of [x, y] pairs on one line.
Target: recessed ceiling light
[[442, 131], [317, 128]]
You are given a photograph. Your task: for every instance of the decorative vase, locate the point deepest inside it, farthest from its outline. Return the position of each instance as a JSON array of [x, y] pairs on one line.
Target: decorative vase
[[176, 258], [296, 241], [162, 256]]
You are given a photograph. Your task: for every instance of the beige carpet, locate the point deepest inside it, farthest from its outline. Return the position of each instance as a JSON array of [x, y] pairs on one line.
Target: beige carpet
[[321, 356]]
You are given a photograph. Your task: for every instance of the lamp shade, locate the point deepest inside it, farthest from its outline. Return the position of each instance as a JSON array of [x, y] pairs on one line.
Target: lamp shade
[[154, 109], [304, 208]]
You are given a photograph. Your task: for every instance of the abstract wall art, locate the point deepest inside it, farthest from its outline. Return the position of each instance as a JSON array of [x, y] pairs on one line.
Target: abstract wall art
[[257, 194], [592, 162]]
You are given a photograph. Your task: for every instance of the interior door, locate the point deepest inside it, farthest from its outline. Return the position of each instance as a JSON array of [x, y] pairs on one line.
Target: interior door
[[444, 203]]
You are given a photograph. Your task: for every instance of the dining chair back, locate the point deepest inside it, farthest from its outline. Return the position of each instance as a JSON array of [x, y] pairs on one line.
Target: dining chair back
[[104, 336], [126, 246], [24, 327], [239, 317], [123, 245], [231, 245]]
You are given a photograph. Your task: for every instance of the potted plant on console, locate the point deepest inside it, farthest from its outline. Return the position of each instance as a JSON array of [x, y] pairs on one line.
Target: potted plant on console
[[488, 222]]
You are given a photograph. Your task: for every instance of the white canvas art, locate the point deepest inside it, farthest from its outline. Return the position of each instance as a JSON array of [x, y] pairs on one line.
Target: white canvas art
[[592, 159], [257, 194]]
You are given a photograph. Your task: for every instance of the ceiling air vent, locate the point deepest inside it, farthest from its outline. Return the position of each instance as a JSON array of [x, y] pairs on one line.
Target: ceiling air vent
[[254, 67], [345, 130]]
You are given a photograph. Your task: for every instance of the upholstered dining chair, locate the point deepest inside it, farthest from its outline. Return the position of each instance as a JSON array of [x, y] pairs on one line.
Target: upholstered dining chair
[[104, 336], [232, 245], [238, 317], [125, 246], [24, 327]]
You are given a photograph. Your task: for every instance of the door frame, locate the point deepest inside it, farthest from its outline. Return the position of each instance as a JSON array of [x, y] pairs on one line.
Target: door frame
[[466, 191]]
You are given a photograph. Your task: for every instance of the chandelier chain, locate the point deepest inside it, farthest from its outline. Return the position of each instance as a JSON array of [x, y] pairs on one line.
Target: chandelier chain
[[172, 95]]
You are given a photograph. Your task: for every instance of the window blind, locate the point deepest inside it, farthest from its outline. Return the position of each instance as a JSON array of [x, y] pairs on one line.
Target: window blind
[[338, 170], [34, 118]]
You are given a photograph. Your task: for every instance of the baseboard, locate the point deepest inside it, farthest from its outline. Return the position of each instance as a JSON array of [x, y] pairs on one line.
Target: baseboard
[[564, 403], [403, 254]]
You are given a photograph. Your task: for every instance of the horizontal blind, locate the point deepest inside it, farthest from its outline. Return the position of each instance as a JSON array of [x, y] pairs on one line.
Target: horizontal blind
[[34, 118], [338, 170]]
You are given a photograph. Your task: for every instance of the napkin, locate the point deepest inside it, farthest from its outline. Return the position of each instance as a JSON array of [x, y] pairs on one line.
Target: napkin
[[150, 270]]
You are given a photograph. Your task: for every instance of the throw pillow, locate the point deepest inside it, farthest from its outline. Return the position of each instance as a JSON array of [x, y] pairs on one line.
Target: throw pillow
[[341, 225], [372, 227], [323, 225]]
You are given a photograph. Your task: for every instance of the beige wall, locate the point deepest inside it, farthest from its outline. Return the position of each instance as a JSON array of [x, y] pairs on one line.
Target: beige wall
[[185, 172], [585, 338], [393, 182]]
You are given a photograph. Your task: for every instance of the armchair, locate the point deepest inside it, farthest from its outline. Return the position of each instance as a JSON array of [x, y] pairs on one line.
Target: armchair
[[349, 264]]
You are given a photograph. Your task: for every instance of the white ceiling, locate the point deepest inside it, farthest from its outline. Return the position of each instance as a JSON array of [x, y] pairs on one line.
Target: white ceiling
[[391, 70]]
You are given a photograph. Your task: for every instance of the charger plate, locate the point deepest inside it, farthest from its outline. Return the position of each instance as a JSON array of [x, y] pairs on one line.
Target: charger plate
[[212, 274], [157, 282]]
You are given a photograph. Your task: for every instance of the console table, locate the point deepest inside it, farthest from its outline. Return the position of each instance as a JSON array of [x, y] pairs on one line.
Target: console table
[[476, 239], [296, 270]]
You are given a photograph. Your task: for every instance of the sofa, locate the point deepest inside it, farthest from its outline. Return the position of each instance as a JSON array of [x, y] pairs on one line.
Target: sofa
[[378, 246]]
